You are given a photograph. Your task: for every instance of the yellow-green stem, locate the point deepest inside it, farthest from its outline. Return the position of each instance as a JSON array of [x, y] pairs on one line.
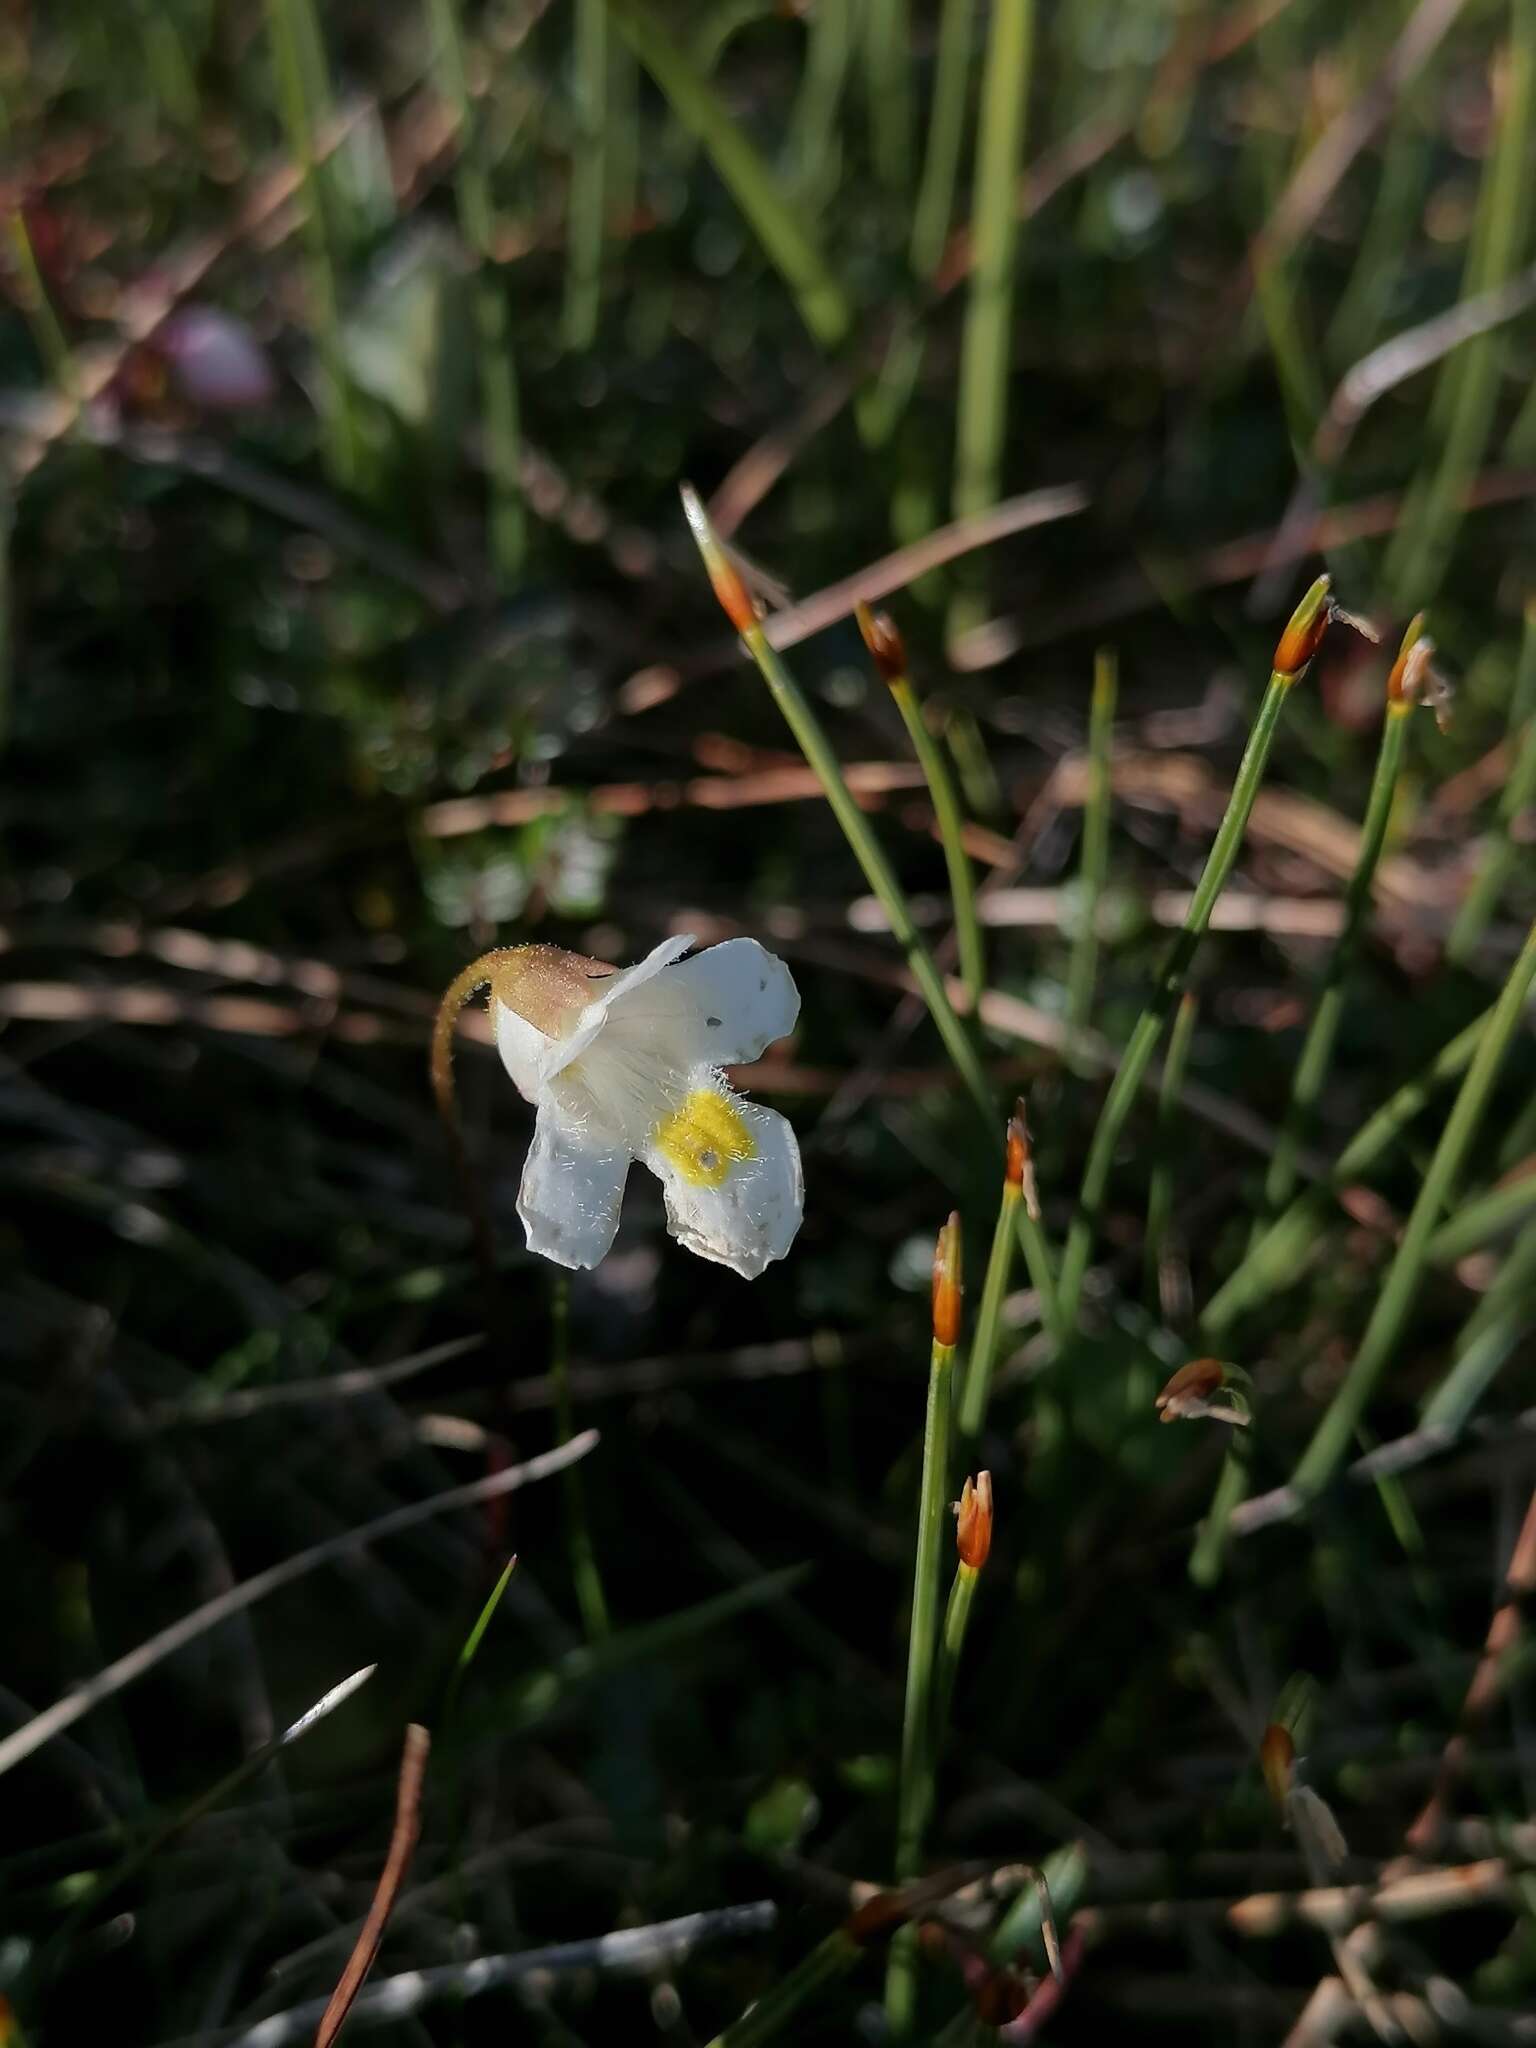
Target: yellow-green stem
[[946, 809], [1517, 796], [1160, 1188], [946, 133], [915, 1792], [1082, 972], [976, 1386]]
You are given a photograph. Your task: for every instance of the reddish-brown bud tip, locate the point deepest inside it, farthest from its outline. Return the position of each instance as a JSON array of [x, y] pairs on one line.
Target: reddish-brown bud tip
[[1277, 1760], [882, 637], [1304, 633], [1019, 1172], [1411, 658], [947, 1284], [726, 579], [973, 1522], [1191, 1388]]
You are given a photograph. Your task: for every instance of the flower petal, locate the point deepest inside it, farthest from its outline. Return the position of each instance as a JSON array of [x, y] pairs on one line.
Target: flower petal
[[746, 995], [571, 1192], [525, 1050], [731, 1174], [595, 1015]]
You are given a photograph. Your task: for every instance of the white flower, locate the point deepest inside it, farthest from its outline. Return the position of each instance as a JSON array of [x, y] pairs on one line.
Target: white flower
[[625, 1065]]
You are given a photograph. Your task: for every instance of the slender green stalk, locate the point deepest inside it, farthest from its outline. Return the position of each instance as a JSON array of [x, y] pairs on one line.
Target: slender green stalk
[[828, 1962], [471, 1644], [1467, 393], [295, 58], [1490, 1336], [885, 643], [813, 125], [946, 133], [1275, 1260], [47, 334], [1334, 1434], [787, 242], [1082, 972], [493, 333], [1312, 1068], [589, 176], [1476, 1222], [976, 1385], [1517, 796], [1160, 1188], [916, 1789], [887, 75], [1300, 639], [957, 1619], [981, 412], [585, 1575]]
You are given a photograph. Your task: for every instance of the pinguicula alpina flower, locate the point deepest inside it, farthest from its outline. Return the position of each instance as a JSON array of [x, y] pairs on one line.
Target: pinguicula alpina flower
[[624, 1064]]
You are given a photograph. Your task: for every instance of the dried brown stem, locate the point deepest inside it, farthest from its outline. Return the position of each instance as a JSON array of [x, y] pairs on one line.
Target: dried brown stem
[[402, 1846]]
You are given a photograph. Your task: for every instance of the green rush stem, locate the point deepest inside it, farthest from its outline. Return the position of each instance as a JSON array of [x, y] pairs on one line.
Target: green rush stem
[[1276, 1259], [763, 2021], [1312, 1068], [976, 1386], [957, 1619], [946, 133], [1518, 794], [47, 334], [915, 1795], [1149, 1026], [1042, 1269], [493, 341], [295, 57], [981, 406], [1209, 1552], [866, 849], [887, 75], [1082, 972], [1476, 1222], [1466, 395], [590, 1597], [786, 241], [813, 124], [589, 176], [946, 808], [1394, 1304], [1160, 1187], [1488, 1338]]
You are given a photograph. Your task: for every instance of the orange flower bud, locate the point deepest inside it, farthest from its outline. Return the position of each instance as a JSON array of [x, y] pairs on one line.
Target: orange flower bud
[[946, 1284], [1304, 633], [1020, 1170], [1191, 1388], [729, 586], [883, 638], [1277, 1760], [973, 1525]]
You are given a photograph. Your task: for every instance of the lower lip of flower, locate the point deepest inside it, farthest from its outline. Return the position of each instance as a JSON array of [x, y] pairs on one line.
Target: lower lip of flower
[[705, 1139]]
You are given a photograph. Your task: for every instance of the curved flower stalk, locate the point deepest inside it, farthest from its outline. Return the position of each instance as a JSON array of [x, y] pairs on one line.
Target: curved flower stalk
[[624, 1064]]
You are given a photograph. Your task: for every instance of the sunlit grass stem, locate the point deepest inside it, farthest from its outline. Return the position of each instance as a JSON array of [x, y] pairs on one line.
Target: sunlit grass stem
[[295, 58], [1161, 1184], [588, 200], [946, 133], [886, 645], [866, 848], [1316, 1058], [1093, 872], [1518, 795], [493, 332], [981, 405], [1297, 645], [914, 1799], [786, 241], [976, 1383], [1335, 1433]]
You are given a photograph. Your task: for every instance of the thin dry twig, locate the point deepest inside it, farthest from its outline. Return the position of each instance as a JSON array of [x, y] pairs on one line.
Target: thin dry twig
[[402, 1847]]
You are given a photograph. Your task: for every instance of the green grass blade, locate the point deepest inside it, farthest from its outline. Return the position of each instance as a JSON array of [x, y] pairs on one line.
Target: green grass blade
[[981, 410], [1160, 1188], [1334, 1434], [786, 241], [1093, 874], [1518, 795], [589, 176], [946, 134]]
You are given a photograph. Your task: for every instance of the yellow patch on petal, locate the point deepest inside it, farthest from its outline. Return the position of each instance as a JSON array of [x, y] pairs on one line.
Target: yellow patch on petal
[[705, 1138]]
